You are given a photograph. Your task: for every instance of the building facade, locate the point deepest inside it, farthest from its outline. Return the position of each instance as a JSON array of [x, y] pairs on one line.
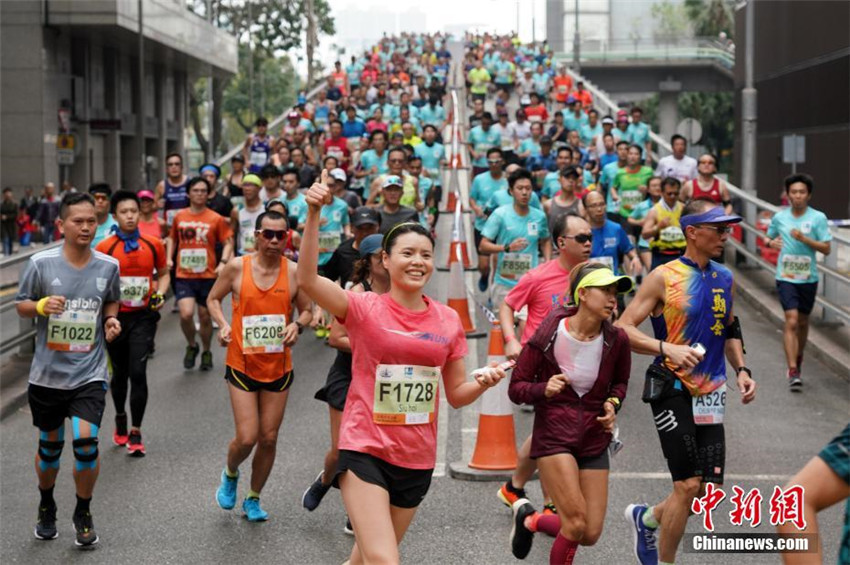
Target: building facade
[[71, 90], [801, 74]]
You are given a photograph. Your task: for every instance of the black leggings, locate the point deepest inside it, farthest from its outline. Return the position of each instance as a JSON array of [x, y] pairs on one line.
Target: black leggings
[[129, 356]]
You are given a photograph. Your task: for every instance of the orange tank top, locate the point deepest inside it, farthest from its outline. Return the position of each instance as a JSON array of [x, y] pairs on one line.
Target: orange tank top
[[259, 319]]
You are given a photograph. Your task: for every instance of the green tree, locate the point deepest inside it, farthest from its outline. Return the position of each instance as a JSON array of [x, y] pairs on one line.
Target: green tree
[[710, 17], [274, 92], [268, 28], [671, 19]]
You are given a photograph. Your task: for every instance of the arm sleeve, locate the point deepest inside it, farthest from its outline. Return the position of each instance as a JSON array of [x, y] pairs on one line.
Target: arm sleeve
[[524, 388], [30, 286], [622, 366]]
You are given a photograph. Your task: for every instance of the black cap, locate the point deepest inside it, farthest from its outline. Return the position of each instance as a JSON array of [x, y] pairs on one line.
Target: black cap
[[545, 139], [365, 215], [238, 157]]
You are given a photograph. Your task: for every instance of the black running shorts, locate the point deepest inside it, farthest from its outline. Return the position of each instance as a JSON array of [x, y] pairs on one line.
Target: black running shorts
[[243, 382], [690, 450], [50, 406], [407, 487]]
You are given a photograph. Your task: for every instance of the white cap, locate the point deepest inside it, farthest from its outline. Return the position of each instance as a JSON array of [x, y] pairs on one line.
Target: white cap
[[339, 175]]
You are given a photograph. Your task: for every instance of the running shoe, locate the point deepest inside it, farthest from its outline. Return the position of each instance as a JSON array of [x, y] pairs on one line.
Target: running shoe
[[86, 536], [348, 528], [508, 494], [313, 496], [119, 436], [252, 512], [226, 493], [644, 537], [45, 527], [521, 537], [206, 361], [795, 381], [483, 283], [549, 509], [191, 355], [135, 447]]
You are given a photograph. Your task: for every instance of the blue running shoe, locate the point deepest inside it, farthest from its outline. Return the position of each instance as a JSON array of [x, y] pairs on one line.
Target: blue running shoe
[[645, 548], [252, 511], [226, 493]]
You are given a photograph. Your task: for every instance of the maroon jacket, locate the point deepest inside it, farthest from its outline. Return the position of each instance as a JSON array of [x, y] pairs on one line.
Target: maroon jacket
[[566, 423]]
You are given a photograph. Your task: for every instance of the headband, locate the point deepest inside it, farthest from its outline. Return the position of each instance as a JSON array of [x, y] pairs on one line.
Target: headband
[[395, 227], [210, 168]]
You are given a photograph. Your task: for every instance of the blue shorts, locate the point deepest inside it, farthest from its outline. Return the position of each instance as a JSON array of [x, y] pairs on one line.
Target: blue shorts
[[198, 289], [797, 296]]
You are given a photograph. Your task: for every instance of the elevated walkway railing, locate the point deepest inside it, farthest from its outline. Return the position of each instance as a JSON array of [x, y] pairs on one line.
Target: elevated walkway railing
[[654, 49], [835, 284]]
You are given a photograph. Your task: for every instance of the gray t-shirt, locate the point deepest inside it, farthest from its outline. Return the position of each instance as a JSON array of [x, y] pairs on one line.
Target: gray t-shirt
[[404, 214], [70, 347]]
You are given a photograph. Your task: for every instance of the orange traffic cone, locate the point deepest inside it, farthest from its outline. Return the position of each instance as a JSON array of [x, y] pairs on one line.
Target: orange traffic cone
[[457, 248], [450, 194], [495, 446], [458, 299]]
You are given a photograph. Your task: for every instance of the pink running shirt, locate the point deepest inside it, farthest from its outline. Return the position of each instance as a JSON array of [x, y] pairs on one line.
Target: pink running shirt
[[384, 333], [541, 288]]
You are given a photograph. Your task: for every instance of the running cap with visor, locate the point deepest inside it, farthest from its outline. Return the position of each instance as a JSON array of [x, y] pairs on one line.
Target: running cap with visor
[[603, 277], [371, 244], [392, 180], [715, 215], [252, 179]]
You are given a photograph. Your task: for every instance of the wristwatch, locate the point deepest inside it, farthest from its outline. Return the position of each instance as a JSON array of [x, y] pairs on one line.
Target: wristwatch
[[300, 327], [745, 369], [507, 247]]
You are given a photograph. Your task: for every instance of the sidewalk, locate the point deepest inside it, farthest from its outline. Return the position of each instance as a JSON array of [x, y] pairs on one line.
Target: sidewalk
[[829, 342]]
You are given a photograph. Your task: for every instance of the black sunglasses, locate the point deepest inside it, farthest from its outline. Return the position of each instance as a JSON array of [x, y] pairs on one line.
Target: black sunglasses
[[272, 234], [581, 238]]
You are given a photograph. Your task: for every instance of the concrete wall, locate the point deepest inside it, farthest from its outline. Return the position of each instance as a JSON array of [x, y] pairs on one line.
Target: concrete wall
[[802, 75], [93, 70]]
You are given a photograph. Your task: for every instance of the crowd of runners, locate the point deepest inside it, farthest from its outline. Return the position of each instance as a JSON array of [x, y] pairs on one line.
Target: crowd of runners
[[329, 225]]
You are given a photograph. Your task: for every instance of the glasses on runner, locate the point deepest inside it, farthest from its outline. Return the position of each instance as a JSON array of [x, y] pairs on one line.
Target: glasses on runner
[[494, 161], [272, 234], [100, 196], [173, 164], [719, 229], [581, 238]]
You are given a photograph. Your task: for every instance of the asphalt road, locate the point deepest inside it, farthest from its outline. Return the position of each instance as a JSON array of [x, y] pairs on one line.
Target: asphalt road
[[161, 509]]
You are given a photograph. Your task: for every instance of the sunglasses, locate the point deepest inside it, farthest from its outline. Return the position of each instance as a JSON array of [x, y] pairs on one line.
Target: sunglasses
[[494, 161], [581, 238], [272, 234], [100, 197], [719, 229]]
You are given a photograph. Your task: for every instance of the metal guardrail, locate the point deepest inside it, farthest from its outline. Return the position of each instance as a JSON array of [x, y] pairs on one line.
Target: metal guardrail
[[224, 159], [664, 49], [834, 280], [26, 333]]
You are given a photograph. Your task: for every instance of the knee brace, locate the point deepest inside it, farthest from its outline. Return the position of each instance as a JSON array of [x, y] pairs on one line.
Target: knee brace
[[85, 448], [86, 458], [49, 451]]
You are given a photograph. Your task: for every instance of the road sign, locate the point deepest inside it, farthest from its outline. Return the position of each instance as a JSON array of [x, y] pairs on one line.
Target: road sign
[[65, 149], [793, 149], [690, 129]]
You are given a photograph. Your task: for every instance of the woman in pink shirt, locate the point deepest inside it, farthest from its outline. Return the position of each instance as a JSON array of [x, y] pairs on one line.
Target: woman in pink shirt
[[405, 347], [575, 371]]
